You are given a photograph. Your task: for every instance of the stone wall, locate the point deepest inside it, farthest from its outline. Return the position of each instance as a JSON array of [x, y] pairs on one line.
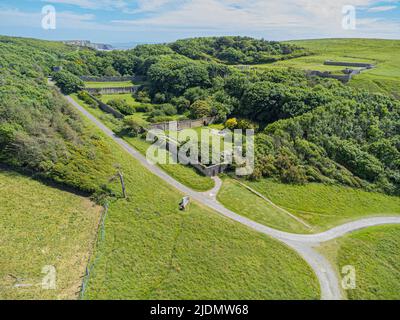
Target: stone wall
[[348, 74], [349, 64], [107, 79], [184, 124], [112, 79], [106, 108], [119, 90], [344, 78]]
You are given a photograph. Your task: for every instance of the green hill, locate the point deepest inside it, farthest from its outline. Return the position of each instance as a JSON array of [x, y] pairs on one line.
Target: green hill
[[385, 78]]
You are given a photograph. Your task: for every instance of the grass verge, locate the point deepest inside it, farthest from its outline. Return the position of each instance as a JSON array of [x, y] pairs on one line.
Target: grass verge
[[43, 226], [321, 206], [374, 254]]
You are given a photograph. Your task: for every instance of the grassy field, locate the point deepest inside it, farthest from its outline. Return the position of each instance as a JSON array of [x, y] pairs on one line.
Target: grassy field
[[374, 253], [42, 225], [237, 198], [321, 206], [126, 96], [184, 174], [119, 84], [385, 78], [154, 251]]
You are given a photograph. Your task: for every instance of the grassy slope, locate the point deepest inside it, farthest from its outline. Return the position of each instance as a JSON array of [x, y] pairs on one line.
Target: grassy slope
[[153, 250], [385, 78], [374, 254], [186, 175], [42, 226], [238, 199], [319, 205], [126, 96]]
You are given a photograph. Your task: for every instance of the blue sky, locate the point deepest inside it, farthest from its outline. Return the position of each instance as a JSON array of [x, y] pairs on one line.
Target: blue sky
[[124, 21]]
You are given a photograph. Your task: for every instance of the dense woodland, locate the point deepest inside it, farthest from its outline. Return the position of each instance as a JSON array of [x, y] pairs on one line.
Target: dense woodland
[[39, 131], [308, 129]]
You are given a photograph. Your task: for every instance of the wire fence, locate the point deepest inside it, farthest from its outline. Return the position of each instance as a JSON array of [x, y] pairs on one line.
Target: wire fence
[[93, 261]]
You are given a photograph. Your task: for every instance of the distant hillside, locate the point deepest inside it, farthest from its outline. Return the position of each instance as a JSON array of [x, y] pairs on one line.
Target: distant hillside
[[385, 78], [236, 50]]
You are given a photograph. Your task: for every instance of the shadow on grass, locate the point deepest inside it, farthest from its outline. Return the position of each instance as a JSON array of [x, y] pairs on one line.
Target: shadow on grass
[[13, 171]]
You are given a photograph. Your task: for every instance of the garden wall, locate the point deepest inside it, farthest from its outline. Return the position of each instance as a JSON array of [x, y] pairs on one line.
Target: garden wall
[[106, 108], [349, 64], [119, 90], [184, 124]]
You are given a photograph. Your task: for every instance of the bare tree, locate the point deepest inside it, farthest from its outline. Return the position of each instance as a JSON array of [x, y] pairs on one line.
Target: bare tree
[[120, 175]]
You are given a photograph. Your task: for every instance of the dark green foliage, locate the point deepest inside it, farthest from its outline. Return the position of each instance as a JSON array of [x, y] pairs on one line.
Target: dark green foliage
[[200, 109], [122, 106], [67, 82], [236, 50], [175, 74], [39, 131], [84, 96], [162, 112]]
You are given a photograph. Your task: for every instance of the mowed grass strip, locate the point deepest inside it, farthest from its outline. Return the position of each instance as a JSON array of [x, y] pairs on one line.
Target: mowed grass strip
[[106, 98], [114, 84], [43, 226], [152, 250], [374, 253]]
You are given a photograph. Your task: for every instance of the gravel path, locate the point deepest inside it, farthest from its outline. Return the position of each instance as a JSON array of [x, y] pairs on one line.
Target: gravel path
[[303, 244]]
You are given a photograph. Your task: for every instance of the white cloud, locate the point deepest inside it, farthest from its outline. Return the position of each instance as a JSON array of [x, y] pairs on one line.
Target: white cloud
[[149, 5], [92, 4], [317, 16], [382, 8], [284, 19]]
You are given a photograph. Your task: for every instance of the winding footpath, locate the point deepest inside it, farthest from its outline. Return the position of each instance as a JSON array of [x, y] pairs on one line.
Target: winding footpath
[[304, 245]]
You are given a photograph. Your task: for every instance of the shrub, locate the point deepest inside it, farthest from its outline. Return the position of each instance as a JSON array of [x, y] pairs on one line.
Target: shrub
[[200, 109], [122, 106], [231, 124], [67, 82], [133, 126], [84, 96]]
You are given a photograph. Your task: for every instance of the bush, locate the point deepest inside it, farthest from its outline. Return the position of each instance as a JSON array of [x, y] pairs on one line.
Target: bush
[[122, 106], [200, 109], [169, 109], [133, 126], [145, 108], [143, 96], [67, 82], [231, 124], [84, 96]]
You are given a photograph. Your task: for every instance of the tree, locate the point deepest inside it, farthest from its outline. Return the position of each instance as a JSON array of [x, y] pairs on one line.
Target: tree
[[134, 126], [67, 82], [200, 109]]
